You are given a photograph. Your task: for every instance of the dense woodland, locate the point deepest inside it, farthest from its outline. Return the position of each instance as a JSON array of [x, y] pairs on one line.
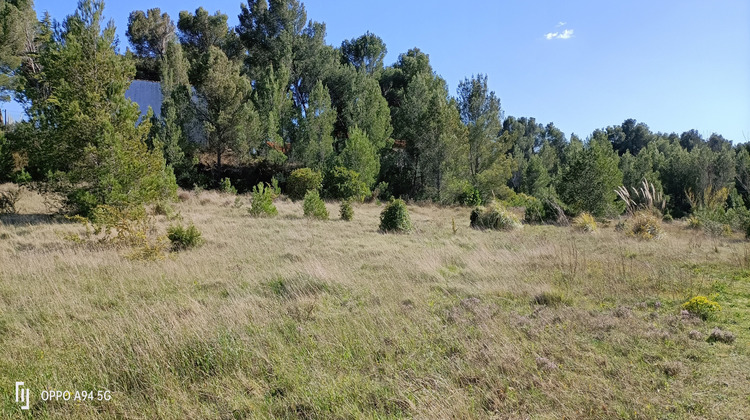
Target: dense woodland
[[257, 101]]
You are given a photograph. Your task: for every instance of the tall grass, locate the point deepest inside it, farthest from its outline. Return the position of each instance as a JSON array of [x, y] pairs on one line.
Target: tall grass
[[292, 318]]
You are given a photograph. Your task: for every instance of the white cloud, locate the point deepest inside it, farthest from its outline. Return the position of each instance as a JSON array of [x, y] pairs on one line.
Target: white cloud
[[559, 24], [566, 34]]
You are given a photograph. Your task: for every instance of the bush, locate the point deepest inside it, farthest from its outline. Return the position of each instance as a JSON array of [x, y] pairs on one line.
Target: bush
[[301, 181], [534, 210], [261, 201], [646, 226], [346, 211], [702, 307], [470, 196], [314, 207], [225, 186], [184, 237], [585, 222], [494, 216], [395, 217], [341, 183], [382, 191]]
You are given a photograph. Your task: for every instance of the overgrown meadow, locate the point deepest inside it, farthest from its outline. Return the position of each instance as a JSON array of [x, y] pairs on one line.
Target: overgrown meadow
[[296, 317]]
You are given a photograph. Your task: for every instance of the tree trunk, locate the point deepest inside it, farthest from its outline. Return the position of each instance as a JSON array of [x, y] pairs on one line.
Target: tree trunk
[[218, 163]]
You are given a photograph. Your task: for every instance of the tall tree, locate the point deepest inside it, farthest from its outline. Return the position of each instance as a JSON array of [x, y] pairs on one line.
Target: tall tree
[[365, 53], [177, 120], [225, 109], [18, 33], [361, 156], [85, 132], [316, 143], [589, 180], [201, 31], [359, 102], [489, 166], [275, 35], [149, 33]]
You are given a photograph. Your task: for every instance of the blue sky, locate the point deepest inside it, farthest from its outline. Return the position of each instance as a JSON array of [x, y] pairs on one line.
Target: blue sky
[[675, 65]]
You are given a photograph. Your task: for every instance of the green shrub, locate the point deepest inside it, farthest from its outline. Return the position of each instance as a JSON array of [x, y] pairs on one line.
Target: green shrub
[[225, 186], [470, 196], [382, 191], [395, 217], [702, 307], [183, 237], [21, 177], [585, 222], [346, 211], [534, 211], [301, 181], [314, 207], [646, 226], [261, 201], [494, 216], [341, 183]]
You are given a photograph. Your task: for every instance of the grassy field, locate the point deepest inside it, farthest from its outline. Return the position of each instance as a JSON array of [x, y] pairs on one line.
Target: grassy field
[[295, 318]]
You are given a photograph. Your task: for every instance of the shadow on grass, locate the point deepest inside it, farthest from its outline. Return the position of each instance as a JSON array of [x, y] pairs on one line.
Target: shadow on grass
[[32, 219]]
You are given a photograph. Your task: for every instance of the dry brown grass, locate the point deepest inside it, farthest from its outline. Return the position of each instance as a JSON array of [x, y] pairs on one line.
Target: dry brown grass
[[293, 317]]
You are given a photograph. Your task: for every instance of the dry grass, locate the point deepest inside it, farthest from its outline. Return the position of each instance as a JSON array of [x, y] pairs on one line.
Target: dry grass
[[293, 317]]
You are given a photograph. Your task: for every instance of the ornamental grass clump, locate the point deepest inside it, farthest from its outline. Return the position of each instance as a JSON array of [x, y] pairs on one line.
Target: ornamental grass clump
[[646, 226], [585, 222], [495, 217]]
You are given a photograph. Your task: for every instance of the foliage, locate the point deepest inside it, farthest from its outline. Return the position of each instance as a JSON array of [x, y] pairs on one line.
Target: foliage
[[494, 216], [585, 222], [360, 156], [365, 53], [395, 217], [702, 307], [225, 186], [534, 210], [86, 140], [184, 237], [712, 213], [342, 183], [313, 206], [346, 211], [224, 108], [261, 201], [315, 147], [470, 196], [588, 183], [149, 33], [382, 191], [646, 226], [301, 181]]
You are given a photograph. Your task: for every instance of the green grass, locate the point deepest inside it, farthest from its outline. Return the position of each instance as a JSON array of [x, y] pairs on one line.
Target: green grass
[[300, 318]]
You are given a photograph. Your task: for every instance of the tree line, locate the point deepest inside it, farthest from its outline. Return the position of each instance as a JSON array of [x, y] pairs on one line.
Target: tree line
[[270, 96]]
